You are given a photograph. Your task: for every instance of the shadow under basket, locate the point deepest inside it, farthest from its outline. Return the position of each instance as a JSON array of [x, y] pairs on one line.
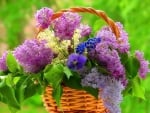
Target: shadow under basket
[[73, 101]]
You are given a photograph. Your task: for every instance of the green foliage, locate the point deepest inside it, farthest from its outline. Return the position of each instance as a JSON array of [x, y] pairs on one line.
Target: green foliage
[[131, 65], [11, 63], [138, 90]]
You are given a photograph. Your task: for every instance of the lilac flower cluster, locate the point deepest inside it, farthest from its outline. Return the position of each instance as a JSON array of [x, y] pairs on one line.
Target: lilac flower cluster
[[108, 36], [76, 61], [65, 25], [144, 65], [110, 89], [43, 17], [3, 66], [111, 94], [110, 59], [85, 30], [33, 55]]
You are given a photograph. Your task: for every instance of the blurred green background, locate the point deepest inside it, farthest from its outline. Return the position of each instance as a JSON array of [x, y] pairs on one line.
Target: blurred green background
[[17, 23]]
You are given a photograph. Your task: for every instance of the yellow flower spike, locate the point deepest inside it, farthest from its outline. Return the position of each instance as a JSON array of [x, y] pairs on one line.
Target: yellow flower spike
[[76, 37], [49, 36]]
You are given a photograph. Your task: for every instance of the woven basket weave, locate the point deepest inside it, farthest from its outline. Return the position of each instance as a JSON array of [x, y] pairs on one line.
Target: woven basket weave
[[77, 101]]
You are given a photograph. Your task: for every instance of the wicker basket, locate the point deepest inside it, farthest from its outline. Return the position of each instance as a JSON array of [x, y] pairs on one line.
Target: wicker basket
[[73, 101], [76, 101]]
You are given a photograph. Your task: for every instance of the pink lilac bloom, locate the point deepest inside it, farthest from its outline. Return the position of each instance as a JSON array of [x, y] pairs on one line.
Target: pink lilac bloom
[[43, 17], [33, 55], [144, 64], [65, 25], [85, 30], [3, 66], [108, 36]]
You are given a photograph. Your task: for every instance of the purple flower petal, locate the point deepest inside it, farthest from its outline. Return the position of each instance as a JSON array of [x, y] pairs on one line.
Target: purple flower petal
[[76, 61]]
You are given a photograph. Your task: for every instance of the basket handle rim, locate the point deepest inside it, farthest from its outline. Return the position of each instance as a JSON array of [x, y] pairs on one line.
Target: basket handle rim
[[99, 13]]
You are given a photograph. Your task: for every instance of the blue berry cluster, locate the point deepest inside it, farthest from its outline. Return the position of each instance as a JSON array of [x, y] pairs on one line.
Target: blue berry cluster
[[89, 45], [80, 48]]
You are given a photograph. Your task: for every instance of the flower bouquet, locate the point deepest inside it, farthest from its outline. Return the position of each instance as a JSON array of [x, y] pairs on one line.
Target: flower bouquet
[[76, 70]]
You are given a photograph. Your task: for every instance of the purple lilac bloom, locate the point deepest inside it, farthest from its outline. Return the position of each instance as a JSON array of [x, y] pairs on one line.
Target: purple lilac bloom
[[93, 78], [65, 25], [76, 61], [85, 30], [33, 55], [43, 17], [110, 89], [3, 66], [108, 36], [110, 59], [144, 65], [111, 94]]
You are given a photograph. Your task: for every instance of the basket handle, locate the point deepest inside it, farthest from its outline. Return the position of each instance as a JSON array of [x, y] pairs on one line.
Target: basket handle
[[99, 13]]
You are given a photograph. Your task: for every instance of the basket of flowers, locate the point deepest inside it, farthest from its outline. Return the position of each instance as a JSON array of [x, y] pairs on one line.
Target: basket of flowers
[[76, 70]]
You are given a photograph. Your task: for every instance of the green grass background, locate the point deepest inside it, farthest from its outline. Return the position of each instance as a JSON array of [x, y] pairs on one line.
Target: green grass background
[[134, 14]]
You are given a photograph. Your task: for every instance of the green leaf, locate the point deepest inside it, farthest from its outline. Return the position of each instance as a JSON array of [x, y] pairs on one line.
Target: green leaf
[[103, 70], [31, 90], [132, 65], [74, 82], [9, 80], [128, 89], [67, 72], [8, 96], [92, 91], [57, 93], [2, 82], [54, 74], [20, 87], [137, 88], [123, 57], [11, 62]]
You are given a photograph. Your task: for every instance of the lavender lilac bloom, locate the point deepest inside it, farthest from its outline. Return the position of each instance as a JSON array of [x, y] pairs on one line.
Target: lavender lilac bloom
[[43, 17], [85, 30], [76, 61], [144, 65], [111, 94], [3, 66], [33, 55], [110, 89], [65, 25], [108, 36]]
